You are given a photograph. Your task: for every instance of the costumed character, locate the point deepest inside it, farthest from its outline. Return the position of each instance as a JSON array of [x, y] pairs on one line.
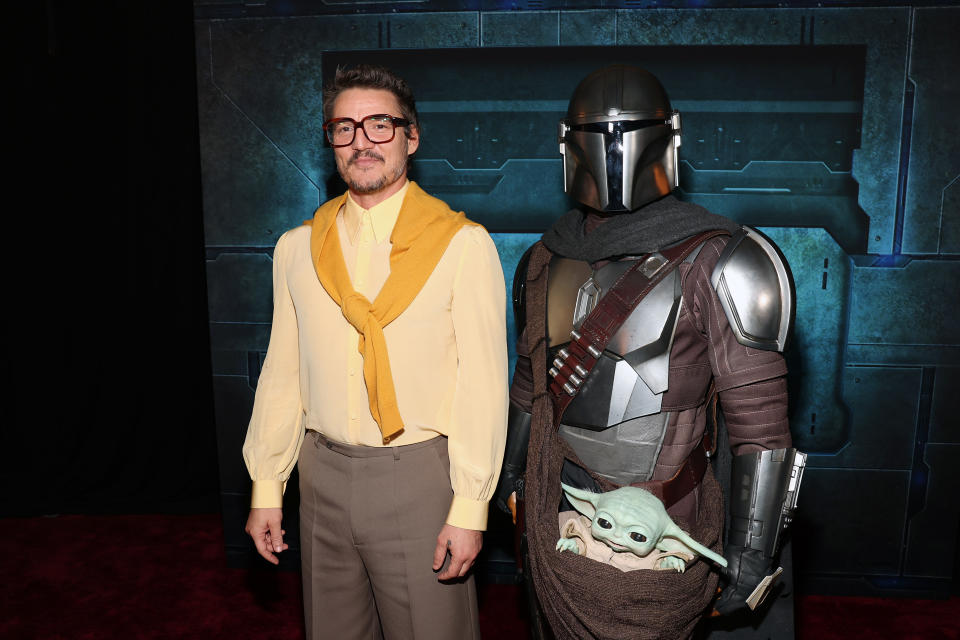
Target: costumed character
[[634, 313]]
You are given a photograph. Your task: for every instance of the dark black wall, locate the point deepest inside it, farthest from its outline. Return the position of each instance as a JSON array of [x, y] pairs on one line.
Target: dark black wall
[[109, 354]]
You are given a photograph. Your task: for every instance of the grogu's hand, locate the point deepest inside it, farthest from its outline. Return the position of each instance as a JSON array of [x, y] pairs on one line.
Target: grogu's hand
[[672, 562], [567, 544]]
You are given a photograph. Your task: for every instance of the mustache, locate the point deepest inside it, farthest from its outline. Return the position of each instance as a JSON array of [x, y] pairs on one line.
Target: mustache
[[364, 153]]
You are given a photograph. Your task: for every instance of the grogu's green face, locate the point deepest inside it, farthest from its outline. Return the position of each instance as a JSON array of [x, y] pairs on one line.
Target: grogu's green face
[[621, 530], [632, 519], [628, 519]]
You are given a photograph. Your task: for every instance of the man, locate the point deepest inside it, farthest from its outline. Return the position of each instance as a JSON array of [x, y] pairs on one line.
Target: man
[[636, 310], [388, 351]]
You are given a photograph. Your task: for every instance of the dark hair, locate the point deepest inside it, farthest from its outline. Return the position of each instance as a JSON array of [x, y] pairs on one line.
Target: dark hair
[[368, 76]]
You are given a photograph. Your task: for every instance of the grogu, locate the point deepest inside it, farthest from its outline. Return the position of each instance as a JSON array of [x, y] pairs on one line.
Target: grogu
[[630, 519]]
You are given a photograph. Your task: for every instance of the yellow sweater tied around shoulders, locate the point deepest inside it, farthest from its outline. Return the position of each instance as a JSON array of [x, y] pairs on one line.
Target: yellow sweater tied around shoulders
[[420, 237]]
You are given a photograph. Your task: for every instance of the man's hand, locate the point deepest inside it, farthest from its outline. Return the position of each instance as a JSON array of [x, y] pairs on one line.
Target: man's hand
[[463, 546], [263, 525]]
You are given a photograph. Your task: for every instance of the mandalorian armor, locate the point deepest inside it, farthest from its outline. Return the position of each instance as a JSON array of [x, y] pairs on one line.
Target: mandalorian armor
[[715, 324], [615, 423], [752, 281]]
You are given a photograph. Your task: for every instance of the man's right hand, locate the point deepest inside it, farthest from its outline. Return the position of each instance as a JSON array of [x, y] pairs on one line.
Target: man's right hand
[[263, 525]]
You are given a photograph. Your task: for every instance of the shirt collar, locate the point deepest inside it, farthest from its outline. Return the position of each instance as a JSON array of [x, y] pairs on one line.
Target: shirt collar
[[383, 216]]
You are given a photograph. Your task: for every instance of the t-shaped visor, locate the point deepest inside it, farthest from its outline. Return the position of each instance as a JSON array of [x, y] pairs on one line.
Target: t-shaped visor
[[620, 165]]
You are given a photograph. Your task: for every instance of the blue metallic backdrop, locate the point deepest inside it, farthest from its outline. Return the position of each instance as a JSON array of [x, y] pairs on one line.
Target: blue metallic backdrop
[[832, 129]]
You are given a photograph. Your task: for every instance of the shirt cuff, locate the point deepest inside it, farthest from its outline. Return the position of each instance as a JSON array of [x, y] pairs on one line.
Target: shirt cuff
[[267, 494], [468, 514]]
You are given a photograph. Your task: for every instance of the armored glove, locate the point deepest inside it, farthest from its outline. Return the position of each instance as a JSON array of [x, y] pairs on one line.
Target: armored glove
[[746, 569], [514, 459]]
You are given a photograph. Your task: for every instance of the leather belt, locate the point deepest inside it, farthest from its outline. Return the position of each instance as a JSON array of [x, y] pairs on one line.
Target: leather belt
[[683, 481]]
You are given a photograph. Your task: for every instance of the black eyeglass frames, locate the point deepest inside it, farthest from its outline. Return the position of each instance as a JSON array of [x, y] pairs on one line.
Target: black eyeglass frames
[[379, 127]]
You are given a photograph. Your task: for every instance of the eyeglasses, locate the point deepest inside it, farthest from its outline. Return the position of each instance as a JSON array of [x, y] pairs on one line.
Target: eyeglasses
[[380, 127]]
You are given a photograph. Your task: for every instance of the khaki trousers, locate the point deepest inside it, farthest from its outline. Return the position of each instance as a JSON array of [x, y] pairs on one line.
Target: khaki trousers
[[369, 519]]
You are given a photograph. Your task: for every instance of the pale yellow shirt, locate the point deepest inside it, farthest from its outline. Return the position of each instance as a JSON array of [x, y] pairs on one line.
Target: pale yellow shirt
[[447, 353]]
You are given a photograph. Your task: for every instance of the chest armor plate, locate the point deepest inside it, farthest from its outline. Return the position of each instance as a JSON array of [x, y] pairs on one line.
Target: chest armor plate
[[614, 424]]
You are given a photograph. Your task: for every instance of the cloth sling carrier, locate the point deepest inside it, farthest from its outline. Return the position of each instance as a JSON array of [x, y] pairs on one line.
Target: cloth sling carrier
[[582, 598]]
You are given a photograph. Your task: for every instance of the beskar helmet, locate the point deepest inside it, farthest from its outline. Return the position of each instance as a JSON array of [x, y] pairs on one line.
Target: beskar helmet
[[619, 140]]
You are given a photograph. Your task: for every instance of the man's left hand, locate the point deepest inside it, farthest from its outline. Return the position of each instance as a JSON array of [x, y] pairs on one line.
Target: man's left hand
[[463, 546]]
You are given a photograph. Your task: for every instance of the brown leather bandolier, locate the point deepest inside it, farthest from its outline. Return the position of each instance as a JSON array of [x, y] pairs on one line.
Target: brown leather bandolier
[[574, 362]]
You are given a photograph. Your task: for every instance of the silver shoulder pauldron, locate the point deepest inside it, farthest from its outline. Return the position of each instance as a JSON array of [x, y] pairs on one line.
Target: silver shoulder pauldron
[[755, 288]]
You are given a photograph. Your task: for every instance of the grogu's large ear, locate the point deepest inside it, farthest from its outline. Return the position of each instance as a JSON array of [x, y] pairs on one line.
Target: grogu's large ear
[[673, 531], [582, 500]]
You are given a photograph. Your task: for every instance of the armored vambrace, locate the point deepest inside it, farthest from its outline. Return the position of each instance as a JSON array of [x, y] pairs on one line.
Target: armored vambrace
[[764, 489], [514, 457]]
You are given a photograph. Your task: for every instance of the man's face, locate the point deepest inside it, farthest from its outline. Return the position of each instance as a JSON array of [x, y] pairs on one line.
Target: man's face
[[369, 168]]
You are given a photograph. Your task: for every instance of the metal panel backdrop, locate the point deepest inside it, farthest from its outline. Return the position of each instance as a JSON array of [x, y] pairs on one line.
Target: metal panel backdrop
[[833, 130]]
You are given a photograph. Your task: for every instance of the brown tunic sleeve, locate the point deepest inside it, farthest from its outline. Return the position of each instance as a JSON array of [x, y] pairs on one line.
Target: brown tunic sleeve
[[521, 389], [751, 382]]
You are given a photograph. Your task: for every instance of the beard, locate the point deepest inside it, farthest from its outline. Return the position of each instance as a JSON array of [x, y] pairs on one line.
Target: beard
[[371, 185]]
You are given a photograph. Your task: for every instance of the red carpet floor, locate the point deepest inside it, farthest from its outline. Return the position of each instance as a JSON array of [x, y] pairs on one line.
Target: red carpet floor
[[131, 577]]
